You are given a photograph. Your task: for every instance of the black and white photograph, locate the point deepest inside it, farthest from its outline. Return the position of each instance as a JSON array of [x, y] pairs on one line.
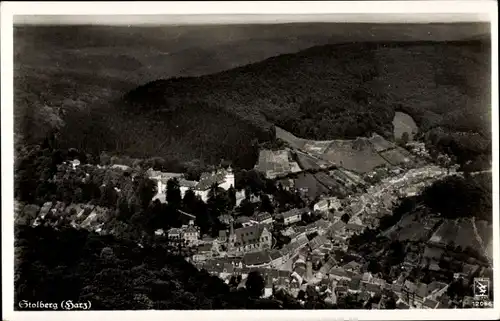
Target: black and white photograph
[[251, 161]]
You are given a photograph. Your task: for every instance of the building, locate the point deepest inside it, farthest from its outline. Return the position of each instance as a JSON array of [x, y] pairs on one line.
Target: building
[[286, 183], [339, 274], [257, 259], [190, 234], [121, 167], [292, 216], [250, 238], [331, 203], [161, 179], [245, 221], [264, 218], [223, 178], [174, 234], [430, 304], [354, 228], [277, 258], [75, 163]]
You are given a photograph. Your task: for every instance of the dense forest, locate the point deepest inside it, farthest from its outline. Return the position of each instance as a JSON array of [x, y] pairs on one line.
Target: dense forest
[[456, 197], [325, 92]]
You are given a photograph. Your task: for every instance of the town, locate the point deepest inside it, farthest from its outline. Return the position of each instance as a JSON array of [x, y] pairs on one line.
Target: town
[[311, 246]]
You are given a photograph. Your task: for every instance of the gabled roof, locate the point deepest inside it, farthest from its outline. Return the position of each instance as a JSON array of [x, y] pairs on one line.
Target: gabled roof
[[300, 229], [185, 183], [410, 286], [209, 179], [174, 231], [292, 212], [163, 176], [355, 284], [371, 287], [263, 216], [430, 303], [321, 223], [190, 229], [338, 272], [352, 265], [422, 290], [318, 241], [249, 234], [435, 286], [337, 226], [355, 227], [118, 166], [228, 268], [207, 247], [256, 258]]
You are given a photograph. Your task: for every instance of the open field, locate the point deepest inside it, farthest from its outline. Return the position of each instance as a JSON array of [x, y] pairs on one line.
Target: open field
[[306, 180], [292, 140], [397, 156], [403, 123], [359, 155], [411, 228], [308, 162], [355, 155], [276, 163], [459, 232], [380, 143]]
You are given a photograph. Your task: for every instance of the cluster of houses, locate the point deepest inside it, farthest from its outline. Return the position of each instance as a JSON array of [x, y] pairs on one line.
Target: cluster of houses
[[335, 279], [77, 215]]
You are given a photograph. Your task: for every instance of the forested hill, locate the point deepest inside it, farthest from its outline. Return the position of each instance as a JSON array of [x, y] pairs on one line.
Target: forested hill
[[325, 92], [113, 274]]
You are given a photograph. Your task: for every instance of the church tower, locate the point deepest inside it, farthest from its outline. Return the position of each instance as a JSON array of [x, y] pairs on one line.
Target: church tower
[[232, 236]]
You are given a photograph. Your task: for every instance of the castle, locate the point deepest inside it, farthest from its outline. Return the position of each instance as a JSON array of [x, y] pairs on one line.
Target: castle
[[224, 178]]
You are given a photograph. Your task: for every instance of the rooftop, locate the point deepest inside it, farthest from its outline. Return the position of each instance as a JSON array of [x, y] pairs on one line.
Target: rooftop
[[338, 272], [292, 212], [256, 258], [209, 179], [430, 303], [318, 241], [249, 234], [263, 216], [355, 227]]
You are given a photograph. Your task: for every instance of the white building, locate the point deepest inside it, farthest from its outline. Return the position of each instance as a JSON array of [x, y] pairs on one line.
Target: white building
[[222, 178], [328, 204], [292, 216], [75, 163]]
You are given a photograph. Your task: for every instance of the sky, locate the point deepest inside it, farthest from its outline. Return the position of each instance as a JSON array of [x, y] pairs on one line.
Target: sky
[[151, 19]]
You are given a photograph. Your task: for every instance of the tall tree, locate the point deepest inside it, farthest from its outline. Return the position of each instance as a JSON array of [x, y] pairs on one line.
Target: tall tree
[[266, 204], [231, 193], [189, 201], [255, 284], [146, 189], [174, 193]]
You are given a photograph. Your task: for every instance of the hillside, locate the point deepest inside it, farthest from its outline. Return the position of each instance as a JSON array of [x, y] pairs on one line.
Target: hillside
[[345, 91], [68, 264], [326, 92]]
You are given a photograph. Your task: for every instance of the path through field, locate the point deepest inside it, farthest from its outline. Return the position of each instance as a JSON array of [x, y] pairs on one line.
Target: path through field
[[479, 239]]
